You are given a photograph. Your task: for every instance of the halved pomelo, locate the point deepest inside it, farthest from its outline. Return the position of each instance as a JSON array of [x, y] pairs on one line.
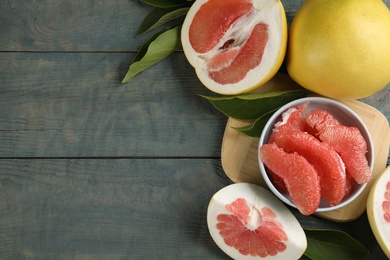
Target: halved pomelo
[[300, 177], [235, 45], [352, 147], [322, 156], [246, 221], [378, 210]]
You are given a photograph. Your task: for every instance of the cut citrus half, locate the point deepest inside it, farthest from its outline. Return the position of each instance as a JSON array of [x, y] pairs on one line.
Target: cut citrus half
[[247, 222], [235, 45], [378, 210]]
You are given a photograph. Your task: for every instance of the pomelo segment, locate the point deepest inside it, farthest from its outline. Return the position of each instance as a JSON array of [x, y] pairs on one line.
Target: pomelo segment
[[301, 179], [349, 184], [322, 156], [292, 118], [378, 210], [317, 120], [352, 147], [246, 221], [235, 45], [277, 182]]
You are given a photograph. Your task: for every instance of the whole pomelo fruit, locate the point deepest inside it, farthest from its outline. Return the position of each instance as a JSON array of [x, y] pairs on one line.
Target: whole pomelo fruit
[[235, 45], [340, 49]]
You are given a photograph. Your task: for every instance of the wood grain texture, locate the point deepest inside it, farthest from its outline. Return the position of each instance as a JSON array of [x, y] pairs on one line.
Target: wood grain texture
[[107, 209], [119, 209], [74, 105], [71, 25], [94, 169]]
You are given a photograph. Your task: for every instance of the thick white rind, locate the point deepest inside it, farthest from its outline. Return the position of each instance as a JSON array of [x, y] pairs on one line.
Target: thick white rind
[[380, 228], [259, 197], [271, 12]]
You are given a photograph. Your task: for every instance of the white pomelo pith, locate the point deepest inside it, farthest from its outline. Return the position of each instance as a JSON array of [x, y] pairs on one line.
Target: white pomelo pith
[[246, 221], [235, 45], [378, 210]]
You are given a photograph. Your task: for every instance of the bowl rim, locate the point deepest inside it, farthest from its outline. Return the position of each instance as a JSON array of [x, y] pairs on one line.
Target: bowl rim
[[323, 100]]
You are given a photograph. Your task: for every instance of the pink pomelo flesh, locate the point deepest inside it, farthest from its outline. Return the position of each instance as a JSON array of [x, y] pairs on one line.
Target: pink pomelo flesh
[[247, 222], [248, 57], [213, 20], [318, 119], [299, 175], [352, 147], [264, 240], [349, 184], [292, 118], [277, 182], [386, 203], [232, 51], [223, 59], [322, 156]]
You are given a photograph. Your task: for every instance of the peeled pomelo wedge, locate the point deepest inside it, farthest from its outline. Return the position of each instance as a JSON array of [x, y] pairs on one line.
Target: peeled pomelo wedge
[[352, 147], [235, 45], [347, 141], [278, 182], [247, 221], [322, 156], [300, 177], [318, 119], [292, 118], [349, 184], [378, 210]]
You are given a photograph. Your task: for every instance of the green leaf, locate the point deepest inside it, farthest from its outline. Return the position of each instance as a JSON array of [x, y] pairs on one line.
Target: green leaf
[[255, 129], [253, 106], [333, 244], [166, 3], [159, 16], [155, 49]]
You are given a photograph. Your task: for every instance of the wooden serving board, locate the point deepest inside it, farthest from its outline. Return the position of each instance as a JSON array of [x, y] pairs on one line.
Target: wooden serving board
[[239, 152]]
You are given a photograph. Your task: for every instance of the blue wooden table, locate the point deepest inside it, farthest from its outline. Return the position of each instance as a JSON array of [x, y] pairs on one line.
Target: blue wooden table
[[94, 169]]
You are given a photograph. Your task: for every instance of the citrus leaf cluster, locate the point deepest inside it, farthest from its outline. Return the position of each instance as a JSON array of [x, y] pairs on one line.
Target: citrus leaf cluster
[[255, 108], [166, 18]]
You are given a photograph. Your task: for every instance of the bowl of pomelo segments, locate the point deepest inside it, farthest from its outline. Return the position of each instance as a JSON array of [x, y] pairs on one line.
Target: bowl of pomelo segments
[[346, 117]]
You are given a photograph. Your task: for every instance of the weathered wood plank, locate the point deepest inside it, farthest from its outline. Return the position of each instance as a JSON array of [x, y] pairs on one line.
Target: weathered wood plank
[[115, 209], [74, 105], [67, 104], [80, 25], [70, 25], [59, 209]]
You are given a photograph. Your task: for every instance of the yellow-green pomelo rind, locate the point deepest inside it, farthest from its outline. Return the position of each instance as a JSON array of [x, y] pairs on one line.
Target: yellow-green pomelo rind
[[379, 226], [340, 49]]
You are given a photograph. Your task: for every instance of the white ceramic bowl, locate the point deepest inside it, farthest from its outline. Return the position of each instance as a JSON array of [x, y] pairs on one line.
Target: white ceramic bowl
[[345, 116]]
